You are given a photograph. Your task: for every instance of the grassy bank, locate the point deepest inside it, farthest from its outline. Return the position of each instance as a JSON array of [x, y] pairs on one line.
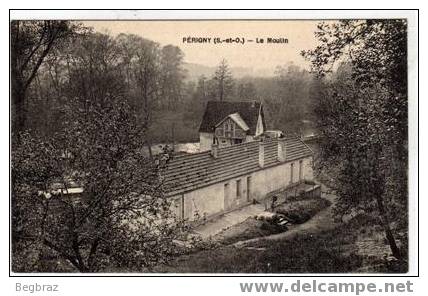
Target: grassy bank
[[300, 210], [336, 250]]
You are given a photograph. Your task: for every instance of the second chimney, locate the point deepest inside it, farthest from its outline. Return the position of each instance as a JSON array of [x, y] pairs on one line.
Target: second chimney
[[261, 153], [214, 150], [281, 149]]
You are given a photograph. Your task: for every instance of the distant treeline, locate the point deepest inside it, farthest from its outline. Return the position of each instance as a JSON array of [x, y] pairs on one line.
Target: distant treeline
[[53, 65]]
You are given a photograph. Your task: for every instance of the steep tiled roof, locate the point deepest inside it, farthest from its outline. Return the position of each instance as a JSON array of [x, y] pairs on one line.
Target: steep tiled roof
[[188, 172], [217, 110]]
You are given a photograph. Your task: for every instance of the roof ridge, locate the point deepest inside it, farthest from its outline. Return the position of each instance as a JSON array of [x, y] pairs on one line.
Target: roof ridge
[[189, 172]]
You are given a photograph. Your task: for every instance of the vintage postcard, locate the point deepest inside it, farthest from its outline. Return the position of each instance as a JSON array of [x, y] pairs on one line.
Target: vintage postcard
[[213, 145]]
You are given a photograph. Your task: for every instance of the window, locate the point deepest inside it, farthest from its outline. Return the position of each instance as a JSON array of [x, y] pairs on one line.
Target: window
[[300, 170], [227, 129], [291, 172], [179, 205], [248, 188], [226, 126], [238, 188], [226, 202]]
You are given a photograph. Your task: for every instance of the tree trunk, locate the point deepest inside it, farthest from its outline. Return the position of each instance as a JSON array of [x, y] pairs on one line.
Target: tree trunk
[[18, 93], [149, 147], [385, 224], [19, 114]]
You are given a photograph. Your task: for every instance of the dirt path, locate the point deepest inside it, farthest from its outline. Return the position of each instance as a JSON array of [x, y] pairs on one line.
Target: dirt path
[[320, 222], [227, 220]]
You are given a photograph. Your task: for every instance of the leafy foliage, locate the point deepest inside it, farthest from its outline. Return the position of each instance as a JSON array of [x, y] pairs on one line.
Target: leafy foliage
[[120, 219], [31, 42], [363, 117], [151, 78], [302, 210]]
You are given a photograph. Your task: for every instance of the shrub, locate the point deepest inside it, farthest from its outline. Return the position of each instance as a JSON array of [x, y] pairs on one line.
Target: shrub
[[271, 225], [310, 182], [301, 211], [302, 192]]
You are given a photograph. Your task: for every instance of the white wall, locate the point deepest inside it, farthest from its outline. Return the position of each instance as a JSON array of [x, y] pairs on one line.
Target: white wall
[[249, 138], [259, 127], [210, 200], [205, 140]]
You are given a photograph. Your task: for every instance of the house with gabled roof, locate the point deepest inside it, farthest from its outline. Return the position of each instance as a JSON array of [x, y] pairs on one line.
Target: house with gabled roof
[[228, 123]]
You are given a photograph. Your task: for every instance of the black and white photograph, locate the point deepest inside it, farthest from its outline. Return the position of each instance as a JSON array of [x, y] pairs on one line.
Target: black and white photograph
[[211, 146]]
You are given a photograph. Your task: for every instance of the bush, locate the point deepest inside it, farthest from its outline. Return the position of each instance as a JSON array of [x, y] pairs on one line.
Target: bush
[[271, 226], [310, 182], [301, 211], [302, 192]]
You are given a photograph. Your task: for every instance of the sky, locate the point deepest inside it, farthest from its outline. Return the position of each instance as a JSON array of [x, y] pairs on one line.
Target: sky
[[300, 35]]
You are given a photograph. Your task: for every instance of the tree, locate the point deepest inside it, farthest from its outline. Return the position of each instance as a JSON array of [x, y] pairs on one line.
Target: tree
[[246, 91], [291, 98], [31, 42], [202, 89], [172, 75], [363, 118], [223, 81], [142, 60], [120, 220], [94, 70]]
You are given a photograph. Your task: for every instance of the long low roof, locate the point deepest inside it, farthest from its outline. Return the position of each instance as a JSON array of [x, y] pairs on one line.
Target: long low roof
[[191, 171]]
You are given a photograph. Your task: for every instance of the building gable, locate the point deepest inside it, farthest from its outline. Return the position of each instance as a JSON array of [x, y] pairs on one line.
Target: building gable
[[229, 129], [237, 119], [216, 111], [260, 128]]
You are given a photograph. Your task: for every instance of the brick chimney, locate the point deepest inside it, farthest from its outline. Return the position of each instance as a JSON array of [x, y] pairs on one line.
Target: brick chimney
[[261, 153], [281, 149], [214, 150]]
